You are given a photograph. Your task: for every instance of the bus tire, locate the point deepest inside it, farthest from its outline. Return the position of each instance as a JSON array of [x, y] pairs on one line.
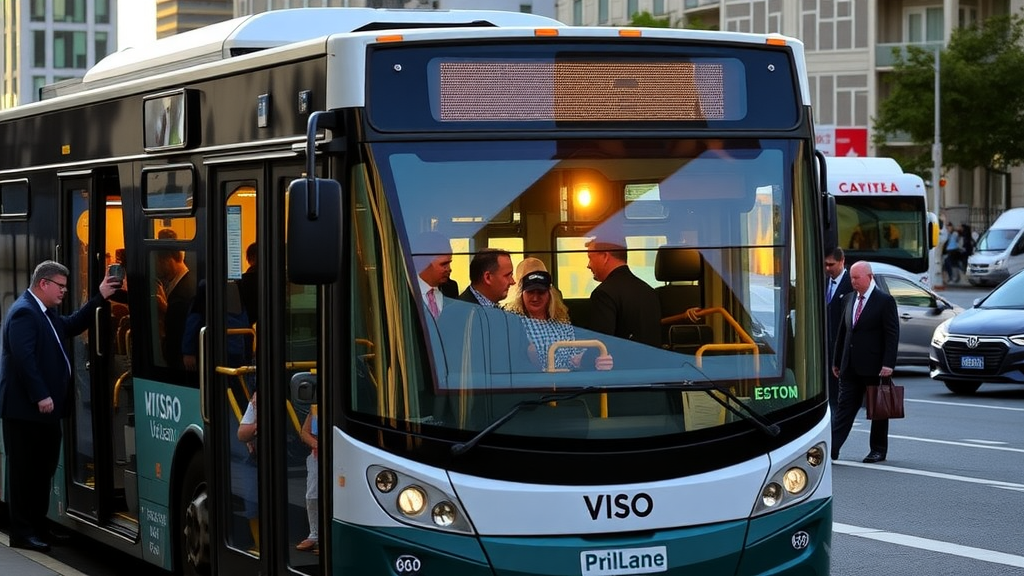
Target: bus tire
[[194, 513]]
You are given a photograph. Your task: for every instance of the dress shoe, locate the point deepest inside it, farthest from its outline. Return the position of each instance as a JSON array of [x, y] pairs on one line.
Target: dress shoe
[[30, 543], [306, 545], [874, 458]]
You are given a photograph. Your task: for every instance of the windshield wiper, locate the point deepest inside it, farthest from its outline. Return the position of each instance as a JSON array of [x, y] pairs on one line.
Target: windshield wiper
[[748, 413], [462, 448]]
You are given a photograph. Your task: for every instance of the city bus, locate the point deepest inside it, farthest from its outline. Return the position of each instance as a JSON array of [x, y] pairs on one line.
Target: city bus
[[882, 213], [273, 185]]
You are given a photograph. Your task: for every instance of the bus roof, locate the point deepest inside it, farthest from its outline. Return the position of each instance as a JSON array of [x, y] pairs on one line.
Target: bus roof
[[280, 27], [871, 177]]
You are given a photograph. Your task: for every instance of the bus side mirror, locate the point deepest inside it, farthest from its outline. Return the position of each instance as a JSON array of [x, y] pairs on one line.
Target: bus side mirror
[[303, 388], [314, 231]]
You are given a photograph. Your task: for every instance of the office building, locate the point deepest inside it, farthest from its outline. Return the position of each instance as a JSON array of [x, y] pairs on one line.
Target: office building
[[46, 41]]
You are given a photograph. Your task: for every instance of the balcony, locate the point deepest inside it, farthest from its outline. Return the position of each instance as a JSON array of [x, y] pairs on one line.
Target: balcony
[[884, 52], [696, 4]]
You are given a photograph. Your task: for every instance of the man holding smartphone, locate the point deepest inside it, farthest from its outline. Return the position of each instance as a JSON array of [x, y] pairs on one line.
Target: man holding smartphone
[[35, 385]]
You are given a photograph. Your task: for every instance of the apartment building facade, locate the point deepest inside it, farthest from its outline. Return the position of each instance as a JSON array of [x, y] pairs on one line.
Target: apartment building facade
[[542, 7], [46, 41], [849, 52]]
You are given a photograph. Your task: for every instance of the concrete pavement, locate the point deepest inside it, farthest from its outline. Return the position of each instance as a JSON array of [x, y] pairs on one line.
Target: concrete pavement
[[15, 561]]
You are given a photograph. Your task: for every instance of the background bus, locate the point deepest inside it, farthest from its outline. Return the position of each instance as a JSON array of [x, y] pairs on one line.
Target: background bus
[[443, 449], [882, 213]]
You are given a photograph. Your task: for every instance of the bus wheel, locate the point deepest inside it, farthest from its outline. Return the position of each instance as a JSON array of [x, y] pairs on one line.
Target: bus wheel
[[194, 552]]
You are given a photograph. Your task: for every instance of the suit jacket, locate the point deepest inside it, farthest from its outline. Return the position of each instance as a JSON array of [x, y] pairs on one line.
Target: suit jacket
[[32, 364], [626, 307], [179, 302], [834, 311], [863, 348]]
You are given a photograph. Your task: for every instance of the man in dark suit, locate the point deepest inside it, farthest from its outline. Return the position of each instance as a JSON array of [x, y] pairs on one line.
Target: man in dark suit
[[175, 291], [866, 346], [836, 286], [35, 384], [490, 277], [623, 305]]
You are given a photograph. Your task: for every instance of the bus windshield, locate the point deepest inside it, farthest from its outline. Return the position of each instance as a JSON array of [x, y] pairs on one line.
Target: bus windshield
[[703, 224]]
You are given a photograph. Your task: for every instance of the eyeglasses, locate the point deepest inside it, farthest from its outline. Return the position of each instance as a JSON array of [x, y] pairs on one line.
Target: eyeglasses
[[63, 287]]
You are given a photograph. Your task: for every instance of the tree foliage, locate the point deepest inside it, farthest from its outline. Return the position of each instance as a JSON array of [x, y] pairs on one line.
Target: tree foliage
[[982, 97], [646, 20]]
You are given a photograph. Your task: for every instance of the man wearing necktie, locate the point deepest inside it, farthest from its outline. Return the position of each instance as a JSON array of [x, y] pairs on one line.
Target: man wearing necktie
[[837, 285], [866, 345], [35, 383], [434, 267]]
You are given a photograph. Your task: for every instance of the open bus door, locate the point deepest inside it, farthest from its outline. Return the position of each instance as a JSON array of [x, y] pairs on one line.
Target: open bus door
[[260, 331], [99, 458]]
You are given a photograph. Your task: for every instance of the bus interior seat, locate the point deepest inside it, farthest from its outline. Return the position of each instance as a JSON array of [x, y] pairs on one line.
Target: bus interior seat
[[681, 270]]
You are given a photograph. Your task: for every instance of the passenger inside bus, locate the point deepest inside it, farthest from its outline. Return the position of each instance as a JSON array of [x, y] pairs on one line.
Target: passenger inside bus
[[175, 289]]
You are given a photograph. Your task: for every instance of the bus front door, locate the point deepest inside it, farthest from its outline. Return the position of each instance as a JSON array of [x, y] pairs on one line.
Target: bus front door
[[99, 459], [260, 332]]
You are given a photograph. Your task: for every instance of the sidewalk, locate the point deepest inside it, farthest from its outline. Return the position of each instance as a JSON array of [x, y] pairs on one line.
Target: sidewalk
[[19, 562]]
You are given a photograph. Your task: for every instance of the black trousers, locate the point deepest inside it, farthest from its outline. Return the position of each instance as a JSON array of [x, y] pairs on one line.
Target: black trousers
[[851, 397], [33, 450]]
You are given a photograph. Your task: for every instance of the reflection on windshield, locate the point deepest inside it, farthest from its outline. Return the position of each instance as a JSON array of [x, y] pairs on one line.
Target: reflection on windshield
[[634, 264]]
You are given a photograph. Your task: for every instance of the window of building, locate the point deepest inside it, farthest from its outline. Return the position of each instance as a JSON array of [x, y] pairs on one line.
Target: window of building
[[69, 11], [37, 84], [923, 24], [602, 11], [69, 49], [659, 7], [632, 7], [526, 8], [833, 25], [968, 16], [38, 11], [577, 12], [102, 13], [39, 48], [101, 45]]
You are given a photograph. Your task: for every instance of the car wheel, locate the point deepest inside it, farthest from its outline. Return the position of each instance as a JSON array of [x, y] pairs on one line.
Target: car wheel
[[962, 388]]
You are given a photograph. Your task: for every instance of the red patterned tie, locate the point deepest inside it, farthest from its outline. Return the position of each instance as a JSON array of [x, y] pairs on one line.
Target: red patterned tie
[[860, 306], [432, 304]]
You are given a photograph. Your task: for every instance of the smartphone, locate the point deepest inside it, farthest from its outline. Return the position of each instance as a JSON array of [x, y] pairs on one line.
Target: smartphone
[[117, 271]]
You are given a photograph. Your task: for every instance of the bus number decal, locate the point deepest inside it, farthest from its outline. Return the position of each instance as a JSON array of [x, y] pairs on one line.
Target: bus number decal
[[640, 505], [406, 564]]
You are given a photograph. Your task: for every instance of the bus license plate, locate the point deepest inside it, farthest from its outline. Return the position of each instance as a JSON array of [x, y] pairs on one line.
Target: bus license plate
[[624, 561], [973, 362]]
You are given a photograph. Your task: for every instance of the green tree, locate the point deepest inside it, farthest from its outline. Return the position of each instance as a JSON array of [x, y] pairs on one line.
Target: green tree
[[982, 98], [646, 20]]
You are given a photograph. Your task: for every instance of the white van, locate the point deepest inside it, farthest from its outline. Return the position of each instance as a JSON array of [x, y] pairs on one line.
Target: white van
[[1000, 250]]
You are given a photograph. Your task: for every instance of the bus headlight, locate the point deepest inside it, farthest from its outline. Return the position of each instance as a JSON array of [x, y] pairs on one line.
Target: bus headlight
[[406, 498], [793, 482], [444, 514], [412, 500]]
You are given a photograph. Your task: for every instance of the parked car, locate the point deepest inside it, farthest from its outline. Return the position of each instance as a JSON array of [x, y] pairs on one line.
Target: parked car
[[921, 310], [985, 343]]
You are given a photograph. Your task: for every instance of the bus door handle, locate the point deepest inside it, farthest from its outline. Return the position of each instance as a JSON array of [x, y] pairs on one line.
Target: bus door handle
[[203, 409], [99, 345]]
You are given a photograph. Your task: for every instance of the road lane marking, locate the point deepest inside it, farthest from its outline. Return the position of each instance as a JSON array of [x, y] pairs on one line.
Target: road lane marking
[[937, 475], [970, 444], [977, 441], [966, 405], [931, 545]]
